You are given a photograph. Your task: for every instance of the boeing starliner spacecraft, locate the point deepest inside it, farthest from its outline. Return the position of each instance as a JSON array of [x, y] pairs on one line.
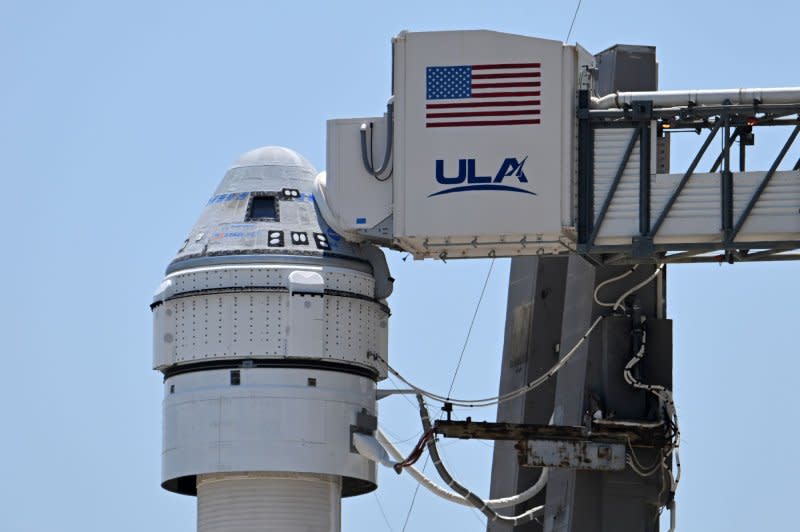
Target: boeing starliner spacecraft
[[271, 332]]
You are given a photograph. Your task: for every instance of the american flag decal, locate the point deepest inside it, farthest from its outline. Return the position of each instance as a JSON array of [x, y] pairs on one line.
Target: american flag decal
[[505, 94]]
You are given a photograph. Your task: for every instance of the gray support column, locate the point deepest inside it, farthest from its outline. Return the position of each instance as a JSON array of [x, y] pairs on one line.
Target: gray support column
[[584, 501], [533, 329]]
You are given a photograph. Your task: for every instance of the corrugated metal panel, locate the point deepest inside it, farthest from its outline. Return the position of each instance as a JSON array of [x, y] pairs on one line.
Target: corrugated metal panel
[[695, 216], [261, 502], [609, 147]]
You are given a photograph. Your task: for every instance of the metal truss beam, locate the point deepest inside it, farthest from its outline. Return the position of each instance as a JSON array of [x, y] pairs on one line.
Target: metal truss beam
[[736, 122]]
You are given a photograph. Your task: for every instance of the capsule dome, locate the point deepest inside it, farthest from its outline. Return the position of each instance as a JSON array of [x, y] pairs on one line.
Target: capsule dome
[[263, 206], [273, 156]]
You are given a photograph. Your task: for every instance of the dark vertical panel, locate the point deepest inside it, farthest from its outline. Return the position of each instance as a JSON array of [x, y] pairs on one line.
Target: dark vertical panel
[[584, 501], [585, 170], [533, 325]]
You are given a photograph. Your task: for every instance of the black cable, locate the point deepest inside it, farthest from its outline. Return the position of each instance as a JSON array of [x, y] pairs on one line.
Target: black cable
[[365, 157], [574, 16], [416, 490], [399, 439], [383, 512], [469, 331], [414, 497], [371, 145], [455, 374], [397, 386], [372, 156], [414, 455], [473, 499]]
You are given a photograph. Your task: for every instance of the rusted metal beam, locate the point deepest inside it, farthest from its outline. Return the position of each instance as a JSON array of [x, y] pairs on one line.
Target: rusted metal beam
[[606, 431]]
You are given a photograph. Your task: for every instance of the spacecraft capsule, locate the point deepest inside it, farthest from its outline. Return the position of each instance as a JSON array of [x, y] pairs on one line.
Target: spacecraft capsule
[[271, 332]]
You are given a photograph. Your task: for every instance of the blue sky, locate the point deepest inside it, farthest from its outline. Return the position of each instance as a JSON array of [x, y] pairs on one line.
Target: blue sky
[[117, 120]]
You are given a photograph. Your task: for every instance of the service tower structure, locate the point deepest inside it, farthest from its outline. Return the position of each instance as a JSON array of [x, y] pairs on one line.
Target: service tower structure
[[271, 333]]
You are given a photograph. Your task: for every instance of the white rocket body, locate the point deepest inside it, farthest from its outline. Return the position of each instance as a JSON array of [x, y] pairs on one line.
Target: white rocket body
[[271, 332]]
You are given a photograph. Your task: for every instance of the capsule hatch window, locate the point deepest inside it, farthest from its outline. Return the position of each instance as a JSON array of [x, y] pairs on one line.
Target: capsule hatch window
[[263, 207]]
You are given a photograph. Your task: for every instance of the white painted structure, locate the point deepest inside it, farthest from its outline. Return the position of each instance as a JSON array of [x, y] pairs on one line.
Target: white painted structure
[[461, 111], [409, 207], [271, 332], [268, 502], [273, 421], [270, 311]]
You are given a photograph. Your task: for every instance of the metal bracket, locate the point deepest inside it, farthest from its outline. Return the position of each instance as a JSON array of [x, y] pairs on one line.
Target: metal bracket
[[642, 110], [642, 247], [366, 423], [638, 433], [731, 122], [573, 454]]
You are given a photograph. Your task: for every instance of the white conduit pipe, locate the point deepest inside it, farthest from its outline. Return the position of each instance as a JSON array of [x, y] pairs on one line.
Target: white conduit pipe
[[418, 475], [529, 493], [329, 213], [476, 501], [672, 516], [487, 401], [777, 95], [451, 496], [371, 449]]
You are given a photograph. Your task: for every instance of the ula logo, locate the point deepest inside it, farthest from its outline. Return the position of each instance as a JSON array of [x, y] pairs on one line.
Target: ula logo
[[468, 178]]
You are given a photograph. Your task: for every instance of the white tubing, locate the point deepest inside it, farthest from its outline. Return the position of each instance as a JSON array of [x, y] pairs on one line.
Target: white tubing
[[462, 490], [497, 399], [638, 286], [384, 282], [369, 448], [328, 213], [676, 98], [529, 493], [451, 496], [418, 475], [672, 516], [609, 281]]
